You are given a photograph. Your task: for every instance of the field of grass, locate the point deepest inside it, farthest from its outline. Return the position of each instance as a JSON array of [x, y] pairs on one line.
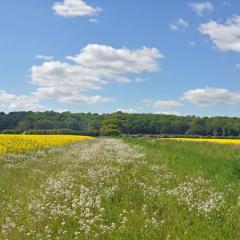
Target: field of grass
[[122, 189]]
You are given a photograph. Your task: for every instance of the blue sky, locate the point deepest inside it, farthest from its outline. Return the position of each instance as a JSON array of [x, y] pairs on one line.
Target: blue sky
[[178, 57]]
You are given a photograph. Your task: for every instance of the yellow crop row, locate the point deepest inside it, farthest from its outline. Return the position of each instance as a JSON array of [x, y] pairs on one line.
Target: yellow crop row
[[220, 141], [23, 143]]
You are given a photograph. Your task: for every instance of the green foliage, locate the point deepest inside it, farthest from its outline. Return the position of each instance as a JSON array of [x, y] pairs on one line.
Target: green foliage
[[121, 123], [63, 132], [110, 127], [11, 131]]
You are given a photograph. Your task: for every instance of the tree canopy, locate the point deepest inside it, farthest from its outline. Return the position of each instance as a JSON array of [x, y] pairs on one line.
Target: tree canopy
[[117, 123]]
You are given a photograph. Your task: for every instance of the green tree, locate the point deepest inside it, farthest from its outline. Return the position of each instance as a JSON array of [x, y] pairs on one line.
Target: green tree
[[110, 127]]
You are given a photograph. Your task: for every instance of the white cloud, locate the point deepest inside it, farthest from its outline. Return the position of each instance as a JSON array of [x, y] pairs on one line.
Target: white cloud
[[166, 105], [122, 79], [82, 99], [225, 36], [211, 96], [67, 83], [75, 8], [44, 57], [173, 27], [201, 7], [110, 61], [238, 65], [63, 110], [129, 110], [179, 24], [20, 103], [183, 23], [170, 113], [96, 65], [54, 76]]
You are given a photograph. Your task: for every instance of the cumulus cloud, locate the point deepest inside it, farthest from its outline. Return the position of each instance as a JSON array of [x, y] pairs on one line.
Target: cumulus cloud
[[95, 66], [211, 96], [166, 105], [109, 60], [201, 7], [75, 8], [225, 36], [59, 77], [179, 24], [73, 80], [20, 103]]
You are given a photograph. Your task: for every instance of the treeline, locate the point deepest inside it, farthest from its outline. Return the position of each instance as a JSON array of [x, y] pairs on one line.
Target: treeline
[[117, 123]]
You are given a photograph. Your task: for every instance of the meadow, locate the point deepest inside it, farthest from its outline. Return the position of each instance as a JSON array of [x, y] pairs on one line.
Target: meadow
[[110, 188]]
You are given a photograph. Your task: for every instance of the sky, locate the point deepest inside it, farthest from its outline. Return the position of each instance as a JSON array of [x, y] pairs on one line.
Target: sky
[[166, 57]]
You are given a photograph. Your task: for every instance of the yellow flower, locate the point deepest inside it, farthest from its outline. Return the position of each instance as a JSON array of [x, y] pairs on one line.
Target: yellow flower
[[219, 141], [23, 143]]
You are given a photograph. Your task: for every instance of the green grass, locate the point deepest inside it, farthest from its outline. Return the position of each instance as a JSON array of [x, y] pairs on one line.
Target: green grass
[[130, 189], [213, 161], [220, 166]]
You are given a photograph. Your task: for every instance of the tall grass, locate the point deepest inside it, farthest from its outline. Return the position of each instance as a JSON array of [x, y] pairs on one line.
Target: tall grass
[[122, 189], [218, 168]]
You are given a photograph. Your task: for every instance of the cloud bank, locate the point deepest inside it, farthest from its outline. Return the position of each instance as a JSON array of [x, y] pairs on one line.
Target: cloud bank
[[72, 81]]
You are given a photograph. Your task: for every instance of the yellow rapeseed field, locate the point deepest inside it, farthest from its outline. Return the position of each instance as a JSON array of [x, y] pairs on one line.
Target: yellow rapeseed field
[[23, 143], [220, 141]]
